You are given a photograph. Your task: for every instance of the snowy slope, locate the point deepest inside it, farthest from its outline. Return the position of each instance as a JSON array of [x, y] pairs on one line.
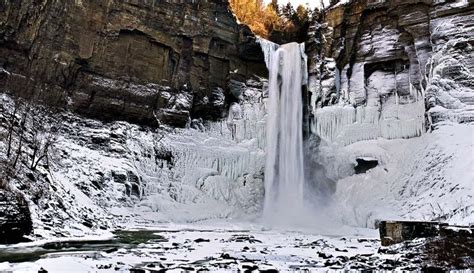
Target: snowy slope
[[414, 117], [104, 175], [424, 178]]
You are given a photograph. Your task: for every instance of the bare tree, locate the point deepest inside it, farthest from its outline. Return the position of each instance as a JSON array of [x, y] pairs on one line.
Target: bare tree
[[11, 122], [21, 133], [29, 132], [43, 138]]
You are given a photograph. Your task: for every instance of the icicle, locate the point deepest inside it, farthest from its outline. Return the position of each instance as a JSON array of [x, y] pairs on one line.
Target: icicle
[[345, 125]]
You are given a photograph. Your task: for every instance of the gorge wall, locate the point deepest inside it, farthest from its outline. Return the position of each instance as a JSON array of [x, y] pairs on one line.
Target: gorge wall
[[391, 84], [140, 60], [378, 70], [380, 64], [133, 60]]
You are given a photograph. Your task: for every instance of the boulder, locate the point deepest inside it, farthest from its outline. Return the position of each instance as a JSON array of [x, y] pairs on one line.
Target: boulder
[[393, 232]]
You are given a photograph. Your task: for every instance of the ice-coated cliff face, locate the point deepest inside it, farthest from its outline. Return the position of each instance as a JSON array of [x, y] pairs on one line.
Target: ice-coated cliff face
[[104, 175], [375, 65], [391, 82], [167, 64], [450, 72]]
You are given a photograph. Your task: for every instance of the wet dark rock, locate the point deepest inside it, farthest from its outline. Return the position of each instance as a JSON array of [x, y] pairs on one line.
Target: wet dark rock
[[31, 176], [201, 240], [332, 262], [111, 250], [15, 219], [319, 243], [433, 269], [364, 164], [342, 258], [268, 271], [324, 255], [244, 238], [42, 270], [88, 224], [104, 266], [249, 267], [149, 268], [100, 139], [392, 232], [119, 177], [226, 256]]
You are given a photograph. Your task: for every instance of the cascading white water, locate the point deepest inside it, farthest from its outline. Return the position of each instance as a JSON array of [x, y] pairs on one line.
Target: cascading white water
[[284, 174]]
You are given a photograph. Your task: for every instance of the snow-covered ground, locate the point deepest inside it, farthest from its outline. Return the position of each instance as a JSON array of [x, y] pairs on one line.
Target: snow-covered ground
[[215, 246]]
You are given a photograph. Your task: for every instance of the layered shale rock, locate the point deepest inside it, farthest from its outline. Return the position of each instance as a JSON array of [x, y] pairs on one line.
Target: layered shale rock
[[138, 60], [15, 220], [377, 63]]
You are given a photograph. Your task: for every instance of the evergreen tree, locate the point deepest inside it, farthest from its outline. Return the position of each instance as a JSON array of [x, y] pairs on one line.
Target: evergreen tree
[[287, 11]]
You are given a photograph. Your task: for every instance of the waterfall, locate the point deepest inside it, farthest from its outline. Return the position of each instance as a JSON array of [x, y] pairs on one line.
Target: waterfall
[[268, 48], [284, 174]]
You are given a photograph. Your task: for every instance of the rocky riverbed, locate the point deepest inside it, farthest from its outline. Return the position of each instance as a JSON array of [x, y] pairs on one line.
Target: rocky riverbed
[[228, 246]]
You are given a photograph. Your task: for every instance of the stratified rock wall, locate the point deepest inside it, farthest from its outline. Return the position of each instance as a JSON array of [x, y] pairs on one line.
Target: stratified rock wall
[[136, 60], [15, 220], [392, 83], [378, 64]]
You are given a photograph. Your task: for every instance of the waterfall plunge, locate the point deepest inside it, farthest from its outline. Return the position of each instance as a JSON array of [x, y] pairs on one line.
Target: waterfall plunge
[[284, 169]]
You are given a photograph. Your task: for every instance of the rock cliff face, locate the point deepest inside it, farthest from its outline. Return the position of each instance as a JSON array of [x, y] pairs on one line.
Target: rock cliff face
[[15, 220], [391, 83], [377, 63], [136, 60], [390, 69]]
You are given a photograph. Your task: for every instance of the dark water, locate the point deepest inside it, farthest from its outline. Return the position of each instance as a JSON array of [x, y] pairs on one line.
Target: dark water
[[122, 239]]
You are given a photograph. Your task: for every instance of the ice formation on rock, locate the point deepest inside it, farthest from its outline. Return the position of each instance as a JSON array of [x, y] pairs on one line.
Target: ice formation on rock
[[370, 104], [268, 49], [346, 124], [210, 172], [128, 174], [409, 69], [284, 175]]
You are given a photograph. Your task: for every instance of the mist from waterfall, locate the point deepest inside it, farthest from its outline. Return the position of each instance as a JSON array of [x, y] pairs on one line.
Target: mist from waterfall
[[284, 168]]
